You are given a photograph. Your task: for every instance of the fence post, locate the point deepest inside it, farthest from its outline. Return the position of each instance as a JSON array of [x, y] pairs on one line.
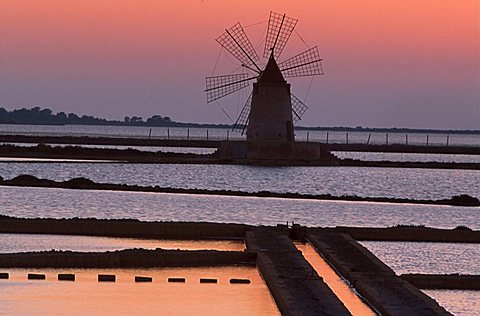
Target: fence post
[[188, 134], [327, 137], [368, 139], [228, 131], [150, 134], [448, 139], [168, 133], [406, 139], [307, 136], [207, 133], [346, 137], [386, 138], [427, 139]]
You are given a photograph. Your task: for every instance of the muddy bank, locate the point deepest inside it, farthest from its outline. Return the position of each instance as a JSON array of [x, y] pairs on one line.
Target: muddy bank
[[130, 258], [42, 151], [412, 233], [108, 154], [119, 141], [131, 228], [443, 281], [83, 183], [124, 228], [410, 164]]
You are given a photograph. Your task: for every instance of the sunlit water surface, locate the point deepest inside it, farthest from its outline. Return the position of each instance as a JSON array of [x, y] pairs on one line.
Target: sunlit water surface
[[460, 303], [86, 296], [372, 182], [10, 243], [347, 295], [61, 203], [428, 258]]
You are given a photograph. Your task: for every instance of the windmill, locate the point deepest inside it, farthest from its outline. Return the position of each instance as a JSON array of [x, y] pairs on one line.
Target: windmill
[[271, 109]]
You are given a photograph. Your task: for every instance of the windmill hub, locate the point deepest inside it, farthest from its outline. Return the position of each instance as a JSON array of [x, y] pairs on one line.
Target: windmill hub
[[271, 109]]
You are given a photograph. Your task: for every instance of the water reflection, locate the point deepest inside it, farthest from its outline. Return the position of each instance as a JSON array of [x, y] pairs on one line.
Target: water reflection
[[434, 258], [10, 243], [347, 295], [361, 181], [58, 203], [124, 297], [460, 303]]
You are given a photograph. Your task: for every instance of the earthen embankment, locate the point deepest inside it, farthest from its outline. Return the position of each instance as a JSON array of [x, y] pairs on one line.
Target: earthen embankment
[[130, 258], [293, 282], [374, 280]]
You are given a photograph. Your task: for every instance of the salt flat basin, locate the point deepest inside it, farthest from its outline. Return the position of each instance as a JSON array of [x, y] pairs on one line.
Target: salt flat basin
[[11, 243], [87, 296], [426, 257]]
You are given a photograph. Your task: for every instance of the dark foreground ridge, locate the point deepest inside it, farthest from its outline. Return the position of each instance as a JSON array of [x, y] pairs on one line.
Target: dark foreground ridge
[[295, 285], [83, 183]]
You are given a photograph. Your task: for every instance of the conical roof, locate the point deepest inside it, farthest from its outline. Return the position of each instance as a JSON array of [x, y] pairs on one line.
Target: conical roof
[[271, 73]]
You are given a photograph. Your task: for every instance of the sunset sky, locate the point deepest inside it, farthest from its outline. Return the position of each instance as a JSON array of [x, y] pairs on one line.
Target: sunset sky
[[388, 63]]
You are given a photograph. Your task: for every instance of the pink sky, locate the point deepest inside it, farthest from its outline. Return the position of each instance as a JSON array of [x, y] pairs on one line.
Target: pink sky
[[395, 63]]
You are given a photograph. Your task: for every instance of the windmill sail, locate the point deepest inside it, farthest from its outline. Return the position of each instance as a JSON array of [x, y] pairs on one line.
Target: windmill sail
[[236, 42], [298, 108], [280, 27], [220, 86], [307, 63], [242, 119]]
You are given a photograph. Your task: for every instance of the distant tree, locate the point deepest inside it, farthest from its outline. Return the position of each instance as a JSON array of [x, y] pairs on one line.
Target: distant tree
[[136, 119], [62, 116], [126, 119], [3, 113]]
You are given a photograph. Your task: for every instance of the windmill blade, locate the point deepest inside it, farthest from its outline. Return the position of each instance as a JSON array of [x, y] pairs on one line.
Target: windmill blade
[[307, 63], [220, 86], [236, 42], [280, 27], [298, 108], [242, 120]]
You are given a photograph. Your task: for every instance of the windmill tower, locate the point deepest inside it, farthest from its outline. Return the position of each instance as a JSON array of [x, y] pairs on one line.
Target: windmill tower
[[271, 110]]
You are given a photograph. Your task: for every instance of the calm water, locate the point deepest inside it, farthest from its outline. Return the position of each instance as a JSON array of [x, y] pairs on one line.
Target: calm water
[[221, 133], [429, 258], [58, 203], [373, 182], [460, 303], [86, 296], [11, 243]]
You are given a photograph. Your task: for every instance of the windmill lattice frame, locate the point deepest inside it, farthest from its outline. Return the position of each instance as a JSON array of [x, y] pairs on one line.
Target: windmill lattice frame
[[236, 42]]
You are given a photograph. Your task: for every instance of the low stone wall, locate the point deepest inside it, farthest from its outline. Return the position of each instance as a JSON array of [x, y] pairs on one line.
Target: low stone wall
[[131, 258], [293, 282], [443, 281], [374, 280]]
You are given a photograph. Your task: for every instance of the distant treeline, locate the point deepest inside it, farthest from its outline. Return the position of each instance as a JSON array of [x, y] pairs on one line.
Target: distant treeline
[[39, 116]]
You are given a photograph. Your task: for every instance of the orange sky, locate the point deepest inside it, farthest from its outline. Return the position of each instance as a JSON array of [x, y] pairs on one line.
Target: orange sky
[[403, 62]]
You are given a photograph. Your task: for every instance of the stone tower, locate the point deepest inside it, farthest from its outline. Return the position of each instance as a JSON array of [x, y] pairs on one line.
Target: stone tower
[[271, 109]]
